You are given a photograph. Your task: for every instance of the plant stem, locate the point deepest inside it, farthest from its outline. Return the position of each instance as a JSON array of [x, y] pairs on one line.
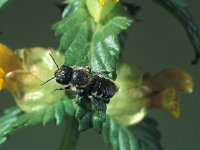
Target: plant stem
[[71, 134], [185, 17]]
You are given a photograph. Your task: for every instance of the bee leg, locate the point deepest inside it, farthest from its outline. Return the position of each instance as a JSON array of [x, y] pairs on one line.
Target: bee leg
[[94, 101], [62, 89], [79, 100], [107, 101], [88, 68], [105, 72]]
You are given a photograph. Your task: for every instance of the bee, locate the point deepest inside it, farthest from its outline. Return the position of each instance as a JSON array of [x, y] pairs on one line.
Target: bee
[[84, 82]]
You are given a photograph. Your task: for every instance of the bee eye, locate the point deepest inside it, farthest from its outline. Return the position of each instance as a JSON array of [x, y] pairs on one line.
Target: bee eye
[[63, 75]]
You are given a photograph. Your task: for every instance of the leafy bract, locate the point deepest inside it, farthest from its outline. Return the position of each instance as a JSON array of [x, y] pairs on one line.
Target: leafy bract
[[75, 31], [148, 135], [143, 136], [86, 42], [95, 44], [71, 5], [105, 48], [91, 115], [25, 83], [14, 118]]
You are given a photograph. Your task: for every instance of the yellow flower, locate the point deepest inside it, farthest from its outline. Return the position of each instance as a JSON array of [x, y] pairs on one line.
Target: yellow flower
[[24, 72], [174, 78], [166, 85], [2, 75], [98, 10], [131, 104], [139, 93], [167, 100], [8, 62], [102, 2]]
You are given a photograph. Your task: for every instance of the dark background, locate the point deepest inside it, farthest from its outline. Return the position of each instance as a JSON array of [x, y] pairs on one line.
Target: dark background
[[157, 43]]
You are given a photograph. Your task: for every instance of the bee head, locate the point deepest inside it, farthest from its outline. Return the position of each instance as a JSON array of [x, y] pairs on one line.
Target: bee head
[[63, 74]]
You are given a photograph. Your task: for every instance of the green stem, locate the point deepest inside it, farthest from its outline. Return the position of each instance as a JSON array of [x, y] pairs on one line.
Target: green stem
[[71, 135]]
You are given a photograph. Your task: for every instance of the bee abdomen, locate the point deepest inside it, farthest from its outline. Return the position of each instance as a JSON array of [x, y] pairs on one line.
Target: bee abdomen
[[103, 88]]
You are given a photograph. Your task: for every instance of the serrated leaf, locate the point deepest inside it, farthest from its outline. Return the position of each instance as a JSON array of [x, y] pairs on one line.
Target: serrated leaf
[[71, 135], [88, 43], [71, 6], [148, 134], [180, 10], [75, 32], [105, 48], [59, 113], [4, 3], [14, 118], [143, 136], [48, 115], [90, 115], [68, 107]]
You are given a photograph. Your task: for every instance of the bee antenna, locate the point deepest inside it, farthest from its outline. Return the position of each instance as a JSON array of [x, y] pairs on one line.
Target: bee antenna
[[47, 81], [54, 60]]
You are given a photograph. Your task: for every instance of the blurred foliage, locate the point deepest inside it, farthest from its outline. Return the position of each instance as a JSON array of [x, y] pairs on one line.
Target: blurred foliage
[[14, 119], [4, 3], [143, 136]]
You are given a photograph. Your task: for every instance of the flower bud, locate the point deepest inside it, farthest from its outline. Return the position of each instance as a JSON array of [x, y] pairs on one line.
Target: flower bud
[[25, 84], [130, 105], [174, 78], [99, 10]]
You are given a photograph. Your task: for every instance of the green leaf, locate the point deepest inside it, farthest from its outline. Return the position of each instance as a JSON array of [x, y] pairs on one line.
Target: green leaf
[[4, 3], [180, 10], [88, 43], [71, 6], [105, 48], [75, 32], [90, 115], [14, 118], [71, 134], [148, 135], [144, 136]]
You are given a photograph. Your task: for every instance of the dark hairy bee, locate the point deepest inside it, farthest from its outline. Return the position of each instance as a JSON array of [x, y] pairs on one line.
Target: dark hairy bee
[[86, 84]]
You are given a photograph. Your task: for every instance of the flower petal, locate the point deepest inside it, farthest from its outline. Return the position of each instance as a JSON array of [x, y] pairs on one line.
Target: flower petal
[[131, 104], [8, 59], [100, 10], [116, 1], [38, 61], [28, 92], [2, 75], [102, 2], [167, 101], [175, 78], [25, 83]]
